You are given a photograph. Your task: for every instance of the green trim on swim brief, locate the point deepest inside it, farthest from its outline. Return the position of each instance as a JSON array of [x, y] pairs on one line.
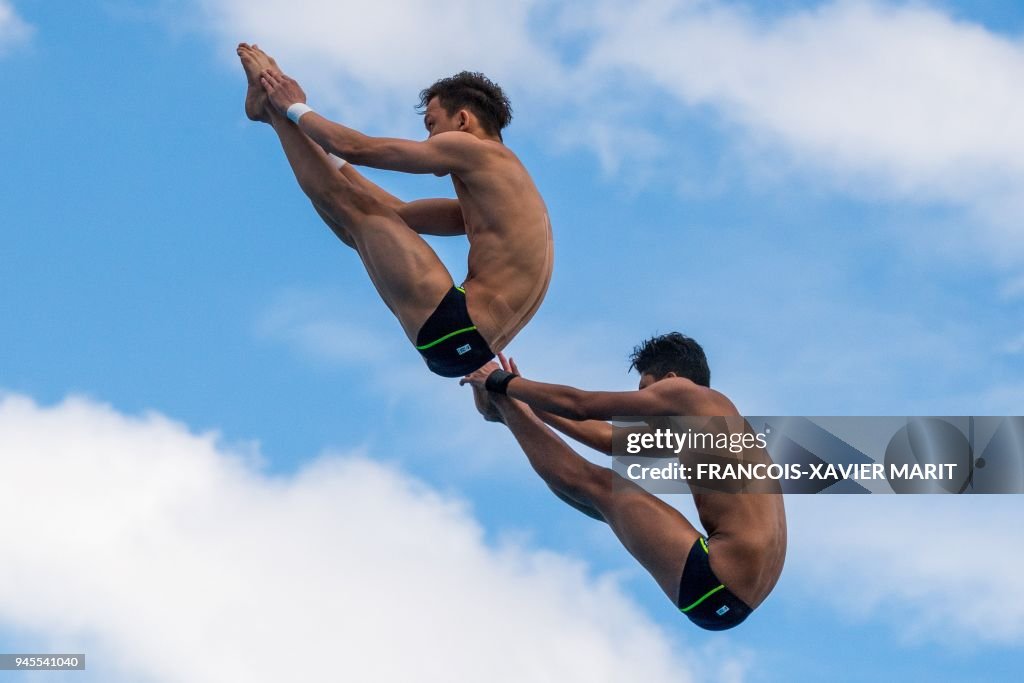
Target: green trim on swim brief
[[703, 544], [703, 598], [447, 336], [460, 289]]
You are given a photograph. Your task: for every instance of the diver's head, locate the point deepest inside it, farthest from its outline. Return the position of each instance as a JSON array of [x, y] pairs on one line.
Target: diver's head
[[670, 355], [467, 101]]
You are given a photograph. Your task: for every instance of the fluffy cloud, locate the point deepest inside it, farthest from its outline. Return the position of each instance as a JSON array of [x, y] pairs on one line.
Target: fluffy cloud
[[943, 568], [167, 557], [904, 92], [896, 100], [370, 60], [13, 30]]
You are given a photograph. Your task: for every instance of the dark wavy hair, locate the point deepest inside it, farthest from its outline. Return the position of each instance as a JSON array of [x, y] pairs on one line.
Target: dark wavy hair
[[672, 352], [473, 91]]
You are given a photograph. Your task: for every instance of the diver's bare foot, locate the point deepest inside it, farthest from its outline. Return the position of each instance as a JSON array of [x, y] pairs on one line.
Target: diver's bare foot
[[254, 62], [270, 62]]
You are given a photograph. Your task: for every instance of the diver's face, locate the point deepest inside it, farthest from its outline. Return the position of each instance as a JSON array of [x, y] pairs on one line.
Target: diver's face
[[437, 120]]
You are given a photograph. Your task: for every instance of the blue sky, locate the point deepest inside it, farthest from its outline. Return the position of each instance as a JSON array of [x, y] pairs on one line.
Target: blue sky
[[826, 195]]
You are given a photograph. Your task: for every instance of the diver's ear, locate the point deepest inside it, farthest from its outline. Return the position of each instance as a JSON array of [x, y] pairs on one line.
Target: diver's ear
[[463, 119], [670, 374]]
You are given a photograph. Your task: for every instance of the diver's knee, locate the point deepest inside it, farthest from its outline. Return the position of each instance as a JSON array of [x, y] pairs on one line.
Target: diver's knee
[[591, 483], [343, 235], [345, 199], [585, 508]]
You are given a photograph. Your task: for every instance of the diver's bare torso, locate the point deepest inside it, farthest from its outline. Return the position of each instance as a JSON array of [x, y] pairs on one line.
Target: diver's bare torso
[[746, 530], [746, 540], [510, 244]]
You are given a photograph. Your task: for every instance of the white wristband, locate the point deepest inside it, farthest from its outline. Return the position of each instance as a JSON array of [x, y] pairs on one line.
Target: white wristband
[[336, 160], [297, 111]]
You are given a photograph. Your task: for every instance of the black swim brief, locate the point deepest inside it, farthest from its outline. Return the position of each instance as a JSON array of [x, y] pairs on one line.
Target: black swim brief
[[449, 342], [705, 599]]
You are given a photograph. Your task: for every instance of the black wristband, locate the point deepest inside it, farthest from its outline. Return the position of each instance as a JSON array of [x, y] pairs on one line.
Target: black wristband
[[498, 381]]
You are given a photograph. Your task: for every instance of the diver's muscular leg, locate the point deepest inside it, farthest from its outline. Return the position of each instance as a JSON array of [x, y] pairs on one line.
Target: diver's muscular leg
[[404, 269], [655, 533], [407, 273], [339, 231]]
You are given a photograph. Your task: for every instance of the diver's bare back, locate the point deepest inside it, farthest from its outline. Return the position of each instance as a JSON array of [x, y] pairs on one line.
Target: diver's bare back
[[510, 247]]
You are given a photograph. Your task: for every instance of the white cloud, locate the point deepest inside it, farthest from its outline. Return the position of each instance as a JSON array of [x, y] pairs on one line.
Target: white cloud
[[861, 86], [929, 568], [167, 557], [938, 568], [370, 60], [899, 101], [13, 30]]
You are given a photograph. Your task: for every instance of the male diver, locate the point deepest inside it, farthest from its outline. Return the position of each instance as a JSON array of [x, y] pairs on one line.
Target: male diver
[[716, 580], [456, 328]]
